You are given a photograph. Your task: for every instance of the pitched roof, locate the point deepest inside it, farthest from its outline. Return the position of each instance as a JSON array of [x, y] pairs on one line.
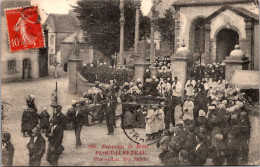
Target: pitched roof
[[248, 13], [62, 22], [13, 4], [240, 11], [71, 38], [208, 2]]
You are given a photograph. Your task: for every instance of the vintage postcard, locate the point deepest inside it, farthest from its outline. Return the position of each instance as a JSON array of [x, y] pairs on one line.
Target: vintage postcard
[[129, 82]]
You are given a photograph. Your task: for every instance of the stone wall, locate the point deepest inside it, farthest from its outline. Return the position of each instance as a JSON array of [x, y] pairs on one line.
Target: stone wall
[[82, 84]]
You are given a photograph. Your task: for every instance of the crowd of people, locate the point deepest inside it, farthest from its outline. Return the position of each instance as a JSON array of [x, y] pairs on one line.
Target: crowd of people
[[214, 120]]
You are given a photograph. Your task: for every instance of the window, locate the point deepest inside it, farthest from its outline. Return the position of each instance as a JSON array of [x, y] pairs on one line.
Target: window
[[51, 59], [52, 39], [11, 66]]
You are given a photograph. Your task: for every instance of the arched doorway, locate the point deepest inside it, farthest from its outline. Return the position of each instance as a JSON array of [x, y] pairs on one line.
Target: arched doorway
[[197, 36], [26, 69], [226, 41]]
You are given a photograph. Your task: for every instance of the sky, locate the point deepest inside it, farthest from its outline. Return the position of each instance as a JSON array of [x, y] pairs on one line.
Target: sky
[[63, 6]]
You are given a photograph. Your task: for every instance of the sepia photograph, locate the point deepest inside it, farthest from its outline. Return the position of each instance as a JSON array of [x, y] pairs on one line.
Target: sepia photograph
[[130, 83]]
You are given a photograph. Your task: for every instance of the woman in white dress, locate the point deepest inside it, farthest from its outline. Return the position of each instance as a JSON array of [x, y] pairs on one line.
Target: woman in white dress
[[159, 119], [150, 123]]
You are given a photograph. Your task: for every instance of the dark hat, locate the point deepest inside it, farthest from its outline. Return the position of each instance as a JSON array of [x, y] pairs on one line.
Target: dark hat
[[191, 128], [59, 107]]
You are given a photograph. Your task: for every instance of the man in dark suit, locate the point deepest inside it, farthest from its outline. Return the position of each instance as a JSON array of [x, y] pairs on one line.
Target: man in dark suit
[[189, 143], [114, 105], [36, 147], [168, 110], [60, 116], [7, 149], [79, 121], [232, 150], [200, 101], [109, 115], [55, 148], [199, 154]]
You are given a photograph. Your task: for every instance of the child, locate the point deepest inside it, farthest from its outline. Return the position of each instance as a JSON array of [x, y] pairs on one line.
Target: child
[[7, 149], [44, 120]]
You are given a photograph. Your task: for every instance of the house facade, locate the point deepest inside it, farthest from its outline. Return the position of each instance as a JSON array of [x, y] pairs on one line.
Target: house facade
[[20, 65], [213, 28], [59, 27]]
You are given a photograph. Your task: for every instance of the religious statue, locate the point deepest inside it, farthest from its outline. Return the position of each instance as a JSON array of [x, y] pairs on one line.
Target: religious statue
[[76, 46]]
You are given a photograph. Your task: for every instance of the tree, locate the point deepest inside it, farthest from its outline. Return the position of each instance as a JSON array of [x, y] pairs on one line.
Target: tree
[[100, 19], [165, 26]]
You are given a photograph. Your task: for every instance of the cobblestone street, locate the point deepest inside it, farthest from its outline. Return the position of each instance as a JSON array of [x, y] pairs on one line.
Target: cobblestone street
[[96, 134]]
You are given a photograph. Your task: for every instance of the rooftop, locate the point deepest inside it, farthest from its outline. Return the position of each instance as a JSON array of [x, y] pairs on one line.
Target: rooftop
[[62, 22], [13, 4], [71, 38]]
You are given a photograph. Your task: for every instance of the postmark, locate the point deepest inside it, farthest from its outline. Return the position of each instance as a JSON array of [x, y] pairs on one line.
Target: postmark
[[24, 29], [134, 125]]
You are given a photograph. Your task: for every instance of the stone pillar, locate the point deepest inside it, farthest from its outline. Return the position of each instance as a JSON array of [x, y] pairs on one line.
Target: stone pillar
[[137, 15], [177, 30], [73, 64], [141, 64], [213, 51], [152, 21], [152, 44], [122, 27], [236, 61], [249, 38], [179, 65], [207, 43]]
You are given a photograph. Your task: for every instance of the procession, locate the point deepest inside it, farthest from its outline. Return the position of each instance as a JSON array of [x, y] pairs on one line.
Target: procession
[[213, 114], [185, 97]]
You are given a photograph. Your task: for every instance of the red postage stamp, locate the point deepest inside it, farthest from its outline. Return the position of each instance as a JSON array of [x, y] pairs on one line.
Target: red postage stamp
[[25, 32]]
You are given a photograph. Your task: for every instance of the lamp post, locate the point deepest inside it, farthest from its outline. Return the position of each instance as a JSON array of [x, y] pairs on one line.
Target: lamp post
[[54, 102]]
